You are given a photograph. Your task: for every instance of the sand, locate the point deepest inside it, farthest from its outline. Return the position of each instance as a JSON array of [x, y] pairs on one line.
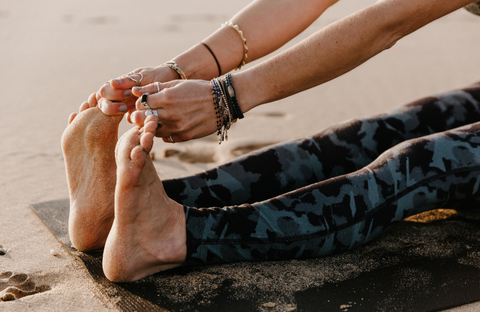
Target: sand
[[54, 54]]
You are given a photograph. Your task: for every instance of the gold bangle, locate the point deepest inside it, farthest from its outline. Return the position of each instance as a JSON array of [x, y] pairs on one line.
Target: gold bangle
[[175, 67], [245, 49]]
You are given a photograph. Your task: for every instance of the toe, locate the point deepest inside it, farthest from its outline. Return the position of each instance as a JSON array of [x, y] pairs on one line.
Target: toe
[[127, 143], [84, 106], [71, 117]]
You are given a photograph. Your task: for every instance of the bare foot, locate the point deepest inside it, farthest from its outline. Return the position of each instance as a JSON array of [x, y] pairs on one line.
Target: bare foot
[[88, 146], [148, 234]]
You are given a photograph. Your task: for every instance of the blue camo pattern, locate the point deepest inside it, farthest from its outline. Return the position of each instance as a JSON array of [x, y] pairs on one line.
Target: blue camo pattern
[[337, 189]]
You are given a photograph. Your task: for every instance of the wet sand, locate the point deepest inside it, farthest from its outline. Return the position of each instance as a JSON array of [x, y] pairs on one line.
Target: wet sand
[[54, 54]]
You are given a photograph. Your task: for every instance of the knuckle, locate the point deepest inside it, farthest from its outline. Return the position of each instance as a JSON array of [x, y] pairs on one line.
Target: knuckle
[[168, 96]]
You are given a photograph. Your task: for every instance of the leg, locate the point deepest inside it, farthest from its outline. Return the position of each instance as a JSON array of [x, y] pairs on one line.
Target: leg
[[88, 146], [338, 150], [148, 233], [337, 214]]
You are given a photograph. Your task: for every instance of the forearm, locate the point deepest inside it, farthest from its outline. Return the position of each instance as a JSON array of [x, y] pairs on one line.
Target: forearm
[[337, 49], [266, 24]]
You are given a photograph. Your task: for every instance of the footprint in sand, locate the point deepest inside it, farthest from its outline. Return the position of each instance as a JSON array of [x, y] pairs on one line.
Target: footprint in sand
[[17, 285], [200, 154], [101, 20]]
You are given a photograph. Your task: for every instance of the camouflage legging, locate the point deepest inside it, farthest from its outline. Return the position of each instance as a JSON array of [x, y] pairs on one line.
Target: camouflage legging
[[339, 189]]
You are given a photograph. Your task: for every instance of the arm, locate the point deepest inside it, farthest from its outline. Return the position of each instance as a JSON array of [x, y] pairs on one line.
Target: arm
[[337, 49], [266, 24], [185, 108]]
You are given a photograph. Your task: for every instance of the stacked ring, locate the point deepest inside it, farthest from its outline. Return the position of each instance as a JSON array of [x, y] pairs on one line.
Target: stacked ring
[[137, 83]]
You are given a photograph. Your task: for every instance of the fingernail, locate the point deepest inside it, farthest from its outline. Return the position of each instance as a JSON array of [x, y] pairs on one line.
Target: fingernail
[[128, 93], [138, 88], [118, 81], [123, 108]]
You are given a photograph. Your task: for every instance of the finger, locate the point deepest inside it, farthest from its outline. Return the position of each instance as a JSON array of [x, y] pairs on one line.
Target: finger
[[127, 81], [112, 108], [83, 106], [153, 101], [92, 100], [150, 88], [112, 94], [138, 77], [172, 139]]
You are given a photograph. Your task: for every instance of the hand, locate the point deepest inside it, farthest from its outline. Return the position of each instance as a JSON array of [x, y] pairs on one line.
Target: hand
[[115, 96], [185, 109]]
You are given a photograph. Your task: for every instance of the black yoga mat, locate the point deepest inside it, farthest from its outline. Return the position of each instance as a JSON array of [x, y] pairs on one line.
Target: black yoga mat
[[429, 263]]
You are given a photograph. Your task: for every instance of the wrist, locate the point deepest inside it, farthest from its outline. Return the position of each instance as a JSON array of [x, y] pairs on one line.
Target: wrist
[[248, 93], [197, 63]]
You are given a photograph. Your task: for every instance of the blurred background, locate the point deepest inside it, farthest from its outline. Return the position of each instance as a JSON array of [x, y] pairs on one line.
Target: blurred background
[[53, 54]]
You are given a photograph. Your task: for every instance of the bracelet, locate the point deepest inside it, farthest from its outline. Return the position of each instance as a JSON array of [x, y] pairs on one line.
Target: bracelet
[[232, 98], [217, 110], [224, 110], [173, 65], [245, 48], [213, 54]]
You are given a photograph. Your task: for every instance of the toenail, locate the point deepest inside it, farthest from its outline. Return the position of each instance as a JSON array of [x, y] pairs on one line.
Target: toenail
[[118, 81], [128, 93], [123, 108], [138, 88]]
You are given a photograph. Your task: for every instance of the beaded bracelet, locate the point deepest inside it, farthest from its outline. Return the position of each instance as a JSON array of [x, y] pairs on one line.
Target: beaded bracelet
[[217, 109], [245, 48], [224, 110], [173, 65], [232, 98], [220, 116]]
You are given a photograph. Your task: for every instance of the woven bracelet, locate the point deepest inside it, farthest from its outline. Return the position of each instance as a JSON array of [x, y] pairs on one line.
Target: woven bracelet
[[232, 98]]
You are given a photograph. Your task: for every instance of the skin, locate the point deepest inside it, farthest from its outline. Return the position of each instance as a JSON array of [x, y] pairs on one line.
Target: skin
[[325, 55], [88, 145], [142, 212], [260, 25], [147, 229]]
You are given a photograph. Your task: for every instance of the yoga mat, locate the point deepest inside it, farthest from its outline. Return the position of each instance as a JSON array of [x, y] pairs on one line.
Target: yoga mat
[[429, 263]]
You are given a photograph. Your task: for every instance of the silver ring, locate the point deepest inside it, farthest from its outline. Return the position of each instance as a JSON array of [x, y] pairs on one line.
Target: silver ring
[[158, 86], [151, 112], [144, 101], [136, 82], [171, 139]]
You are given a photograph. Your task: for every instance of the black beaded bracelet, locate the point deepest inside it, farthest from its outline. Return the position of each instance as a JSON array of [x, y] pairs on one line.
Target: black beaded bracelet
[[232, 97]]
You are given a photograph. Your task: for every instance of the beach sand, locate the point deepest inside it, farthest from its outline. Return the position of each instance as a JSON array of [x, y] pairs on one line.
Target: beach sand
[[54, 54]]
